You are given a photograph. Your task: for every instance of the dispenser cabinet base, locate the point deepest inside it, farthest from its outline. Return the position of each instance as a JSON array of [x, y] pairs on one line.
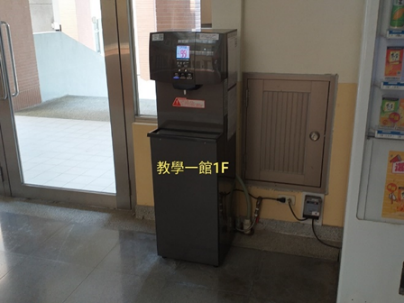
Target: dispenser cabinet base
[[194, 214]]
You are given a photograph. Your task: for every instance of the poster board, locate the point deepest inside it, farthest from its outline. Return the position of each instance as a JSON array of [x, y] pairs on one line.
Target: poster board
[[393, 198]]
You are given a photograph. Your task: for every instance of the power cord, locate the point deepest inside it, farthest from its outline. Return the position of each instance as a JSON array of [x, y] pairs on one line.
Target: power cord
[[314, 231], [258, 204], [326, 244], [263, 198], [294, 215], [319, 240], [283, 200]]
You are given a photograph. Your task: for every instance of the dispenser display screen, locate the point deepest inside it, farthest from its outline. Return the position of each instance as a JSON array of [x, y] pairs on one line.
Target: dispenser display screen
[[183, 52]]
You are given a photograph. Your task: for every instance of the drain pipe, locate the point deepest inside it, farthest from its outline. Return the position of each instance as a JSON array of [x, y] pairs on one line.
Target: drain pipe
[[247, 221]]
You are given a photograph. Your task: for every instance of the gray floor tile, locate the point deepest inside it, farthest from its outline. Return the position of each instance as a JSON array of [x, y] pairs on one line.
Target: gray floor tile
[[8, 261], [242, 260], [107, 287], [54, 258], [293, 279], [24, 234], [136, 254], [259, 300], [176, 293], [234, 275], [73, 213], [38, 280], [79, 244], [293, 245]]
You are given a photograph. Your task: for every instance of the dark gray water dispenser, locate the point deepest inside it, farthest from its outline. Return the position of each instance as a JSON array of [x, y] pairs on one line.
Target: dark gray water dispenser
[[194, 147]]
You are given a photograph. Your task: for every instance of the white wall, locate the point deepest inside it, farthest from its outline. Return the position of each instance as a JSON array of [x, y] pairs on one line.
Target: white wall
[[303, 37], [66, 67], [41, 15], [228, 14]]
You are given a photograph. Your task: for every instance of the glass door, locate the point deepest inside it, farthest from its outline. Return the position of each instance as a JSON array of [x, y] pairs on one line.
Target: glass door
[[62, 113], [151, 16]]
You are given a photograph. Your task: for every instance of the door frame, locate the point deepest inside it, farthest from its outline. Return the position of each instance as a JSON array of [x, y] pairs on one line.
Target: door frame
[[119, 65], [127, 47], [117, 56]]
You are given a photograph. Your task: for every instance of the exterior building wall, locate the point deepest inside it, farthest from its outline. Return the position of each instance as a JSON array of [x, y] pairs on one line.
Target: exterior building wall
[[145, 22], [85, 23], [178, 14], [17, 14], [68, 18]]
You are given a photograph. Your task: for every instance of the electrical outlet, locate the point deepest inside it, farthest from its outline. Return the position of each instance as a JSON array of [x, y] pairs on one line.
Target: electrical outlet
[[306, 208], [312, 207], [288, 198]]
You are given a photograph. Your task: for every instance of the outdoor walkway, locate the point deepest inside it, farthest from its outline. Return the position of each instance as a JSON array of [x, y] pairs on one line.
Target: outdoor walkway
[[66, 153]]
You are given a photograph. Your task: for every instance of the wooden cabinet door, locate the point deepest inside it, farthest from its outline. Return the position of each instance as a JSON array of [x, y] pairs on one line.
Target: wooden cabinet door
[[286, 130]]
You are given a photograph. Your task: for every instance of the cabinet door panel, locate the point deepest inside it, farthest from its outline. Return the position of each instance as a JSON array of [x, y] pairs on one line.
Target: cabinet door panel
[[285, 131]]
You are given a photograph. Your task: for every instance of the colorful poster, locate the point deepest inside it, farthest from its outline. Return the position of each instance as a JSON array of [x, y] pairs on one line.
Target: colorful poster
[[400, 123], [394, 63], [388, 112], [393, 199]]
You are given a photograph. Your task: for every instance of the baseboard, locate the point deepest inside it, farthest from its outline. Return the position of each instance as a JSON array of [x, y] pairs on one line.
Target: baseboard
[[144, 212], [294, 238]]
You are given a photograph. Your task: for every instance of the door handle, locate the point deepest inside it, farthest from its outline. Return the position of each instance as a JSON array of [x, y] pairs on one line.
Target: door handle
[[314, 136], [3, 78], [10, 46], [3, 70]]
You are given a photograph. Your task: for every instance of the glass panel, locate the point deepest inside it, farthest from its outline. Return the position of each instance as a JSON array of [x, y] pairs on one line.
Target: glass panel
[[151, 16], [62, 112], [206, 13]]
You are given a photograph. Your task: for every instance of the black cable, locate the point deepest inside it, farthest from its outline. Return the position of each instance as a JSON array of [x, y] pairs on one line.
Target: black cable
[[294, 215], [282, 200], [256, 198], [321, 241]]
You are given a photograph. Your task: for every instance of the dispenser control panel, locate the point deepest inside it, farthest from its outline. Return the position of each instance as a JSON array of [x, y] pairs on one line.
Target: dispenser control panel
[[183, 52], [183, 56], [190, 58]]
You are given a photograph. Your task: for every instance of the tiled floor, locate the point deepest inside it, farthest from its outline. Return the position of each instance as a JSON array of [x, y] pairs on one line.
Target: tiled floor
[[52, 257], [66, 153]]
